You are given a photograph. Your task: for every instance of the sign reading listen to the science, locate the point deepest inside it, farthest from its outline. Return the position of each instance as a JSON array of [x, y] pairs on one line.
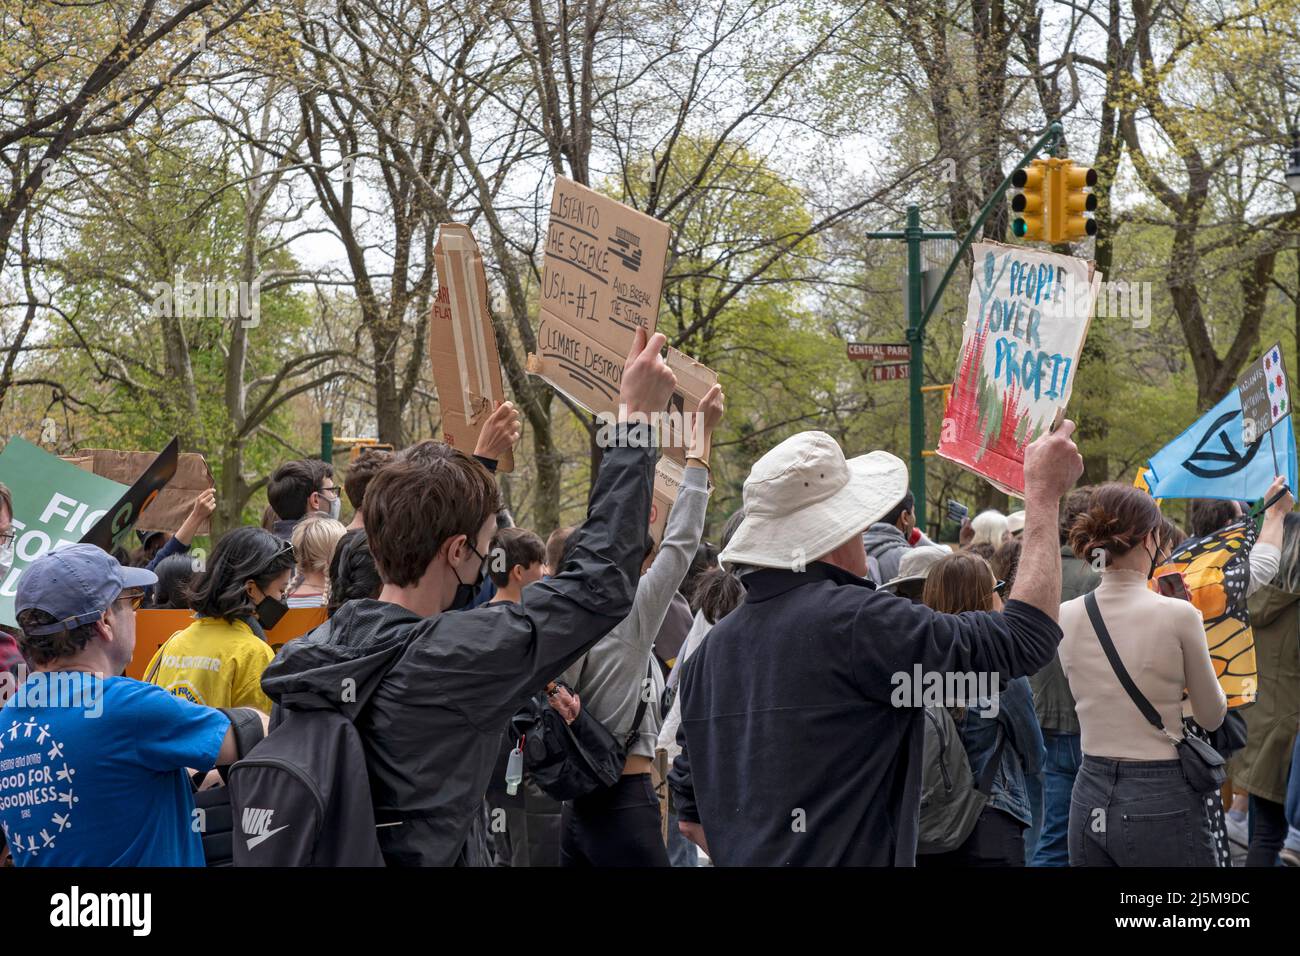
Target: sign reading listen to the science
[[602, 278]]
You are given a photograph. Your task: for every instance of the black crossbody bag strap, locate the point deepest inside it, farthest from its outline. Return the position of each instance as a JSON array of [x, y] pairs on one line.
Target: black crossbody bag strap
[[640, 707], [1117, 665]]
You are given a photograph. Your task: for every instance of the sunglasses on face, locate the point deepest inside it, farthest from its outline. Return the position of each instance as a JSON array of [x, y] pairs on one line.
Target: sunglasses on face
[[135, 597], [1000, 588]]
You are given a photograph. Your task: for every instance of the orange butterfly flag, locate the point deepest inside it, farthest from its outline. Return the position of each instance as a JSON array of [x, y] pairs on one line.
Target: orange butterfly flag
[[1216, 570]]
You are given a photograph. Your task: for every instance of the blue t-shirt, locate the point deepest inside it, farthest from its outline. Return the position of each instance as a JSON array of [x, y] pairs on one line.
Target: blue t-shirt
[[98, 779]]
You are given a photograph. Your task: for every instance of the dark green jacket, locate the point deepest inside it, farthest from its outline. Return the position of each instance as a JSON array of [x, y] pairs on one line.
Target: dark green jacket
[[1262, 767], [1053, 701]]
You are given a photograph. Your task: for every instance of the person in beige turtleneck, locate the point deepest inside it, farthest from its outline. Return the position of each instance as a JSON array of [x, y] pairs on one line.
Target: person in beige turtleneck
[[1131, 805]]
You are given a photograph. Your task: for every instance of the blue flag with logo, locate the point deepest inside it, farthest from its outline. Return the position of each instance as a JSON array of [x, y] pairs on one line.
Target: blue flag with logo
[[1210, 460]]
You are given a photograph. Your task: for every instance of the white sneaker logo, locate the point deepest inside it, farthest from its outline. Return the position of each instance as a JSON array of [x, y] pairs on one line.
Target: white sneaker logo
[[257, 826]]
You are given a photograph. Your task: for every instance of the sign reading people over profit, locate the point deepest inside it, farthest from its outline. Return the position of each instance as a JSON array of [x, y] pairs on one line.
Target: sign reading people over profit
[[172, 506], [462, 342], [603, 274], [55, 503], [1027, 317]]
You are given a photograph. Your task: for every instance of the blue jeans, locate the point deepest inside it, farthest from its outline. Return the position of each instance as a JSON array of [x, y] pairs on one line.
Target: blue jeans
[[1034, 788], [681, 851], [1063, 759]]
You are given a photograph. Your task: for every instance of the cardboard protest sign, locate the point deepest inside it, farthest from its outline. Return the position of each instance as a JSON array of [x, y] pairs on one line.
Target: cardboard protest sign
[[601, 281], [684, 426], [172, 506], [1265, 395], [668, 481], [1027, 317], [55, 503], [114, 528], [153, 628], [462, 342]]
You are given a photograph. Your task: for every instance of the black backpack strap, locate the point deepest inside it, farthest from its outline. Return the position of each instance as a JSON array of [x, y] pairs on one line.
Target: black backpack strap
[[642, 704], [247, 724], [1103, 636]]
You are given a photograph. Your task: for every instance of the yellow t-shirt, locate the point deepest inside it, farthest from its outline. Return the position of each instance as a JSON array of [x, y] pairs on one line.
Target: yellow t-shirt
[[215, 663]]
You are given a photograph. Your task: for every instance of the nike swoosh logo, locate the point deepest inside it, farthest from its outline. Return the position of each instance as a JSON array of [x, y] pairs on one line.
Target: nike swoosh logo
[[254, 841]]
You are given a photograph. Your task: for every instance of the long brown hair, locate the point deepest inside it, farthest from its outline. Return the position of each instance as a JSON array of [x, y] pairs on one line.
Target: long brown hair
[[959, 582]]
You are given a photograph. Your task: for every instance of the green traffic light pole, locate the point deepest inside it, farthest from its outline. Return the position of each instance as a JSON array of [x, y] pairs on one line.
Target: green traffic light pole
[[918, 313]]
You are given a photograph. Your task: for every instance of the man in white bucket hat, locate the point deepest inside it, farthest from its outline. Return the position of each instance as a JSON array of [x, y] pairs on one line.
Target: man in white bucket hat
[[795, 750]]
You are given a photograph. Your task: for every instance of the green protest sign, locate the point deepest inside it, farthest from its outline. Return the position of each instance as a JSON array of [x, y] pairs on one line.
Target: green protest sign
[[55, 503]]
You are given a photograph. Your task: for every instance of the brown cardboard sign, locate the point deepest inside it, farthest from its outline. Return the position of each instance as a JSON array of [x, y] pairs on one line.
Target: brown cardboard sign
[[693, 383], [601, 281], [462, 342], [171, 506], [668, 481]]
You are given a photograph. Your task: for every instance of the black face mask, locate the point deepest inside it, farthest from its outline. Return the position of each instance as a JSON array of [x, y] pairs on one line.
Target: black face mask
[[1155, 559], [465, 592], [269, 611]]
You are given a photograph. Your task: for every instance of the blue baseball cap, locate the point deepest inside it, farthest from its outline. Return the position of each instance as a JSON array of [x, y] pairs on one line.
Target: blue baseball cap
[[75, 584]]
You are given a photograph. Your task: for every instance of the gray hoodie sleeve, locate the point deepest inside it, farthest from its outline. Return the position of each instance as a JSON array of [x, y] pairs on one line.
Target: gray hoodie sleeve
[[655, 590]]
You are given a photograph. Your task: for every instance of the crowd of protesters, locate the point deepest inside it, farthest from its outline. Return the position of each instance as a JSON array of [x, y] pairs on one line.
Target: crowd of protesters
[[748, 697]]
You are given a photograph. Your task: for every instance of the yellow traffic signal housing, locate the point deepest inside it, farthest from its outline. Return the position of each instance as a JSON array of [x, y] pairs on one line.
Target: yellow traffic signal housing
[[1028, 202], [1080, 201], [1053, 201]]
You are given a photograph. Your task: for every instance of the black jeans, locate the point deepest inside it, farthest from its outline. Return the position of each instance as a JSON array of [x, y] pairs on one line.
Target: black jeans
[[1137, 813], [997, 840], [617, 826], [1267, 831]]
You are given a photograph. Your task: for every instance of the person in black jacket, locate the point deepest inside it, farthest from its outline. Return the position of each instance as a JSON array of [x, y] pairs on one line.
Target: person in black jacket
[[802, 714], [434, 723]]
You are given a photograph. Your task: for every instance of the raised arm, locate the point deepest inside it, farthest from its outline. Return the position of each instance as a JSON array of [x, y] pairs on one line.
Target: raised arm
[[682, 533], [1266, 556], [521, 647], [1052, 466]]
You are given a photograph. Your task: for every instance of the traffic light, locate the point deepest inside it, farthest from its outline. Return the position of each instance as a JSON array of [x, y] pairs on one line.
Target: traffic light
[[1053, 201], [1079, 203], [1027, 201]]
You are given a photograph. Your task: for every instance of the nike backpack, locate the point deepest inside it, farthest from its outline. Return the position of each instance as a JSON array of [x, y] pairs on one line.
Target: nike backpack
[[302, 796]]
